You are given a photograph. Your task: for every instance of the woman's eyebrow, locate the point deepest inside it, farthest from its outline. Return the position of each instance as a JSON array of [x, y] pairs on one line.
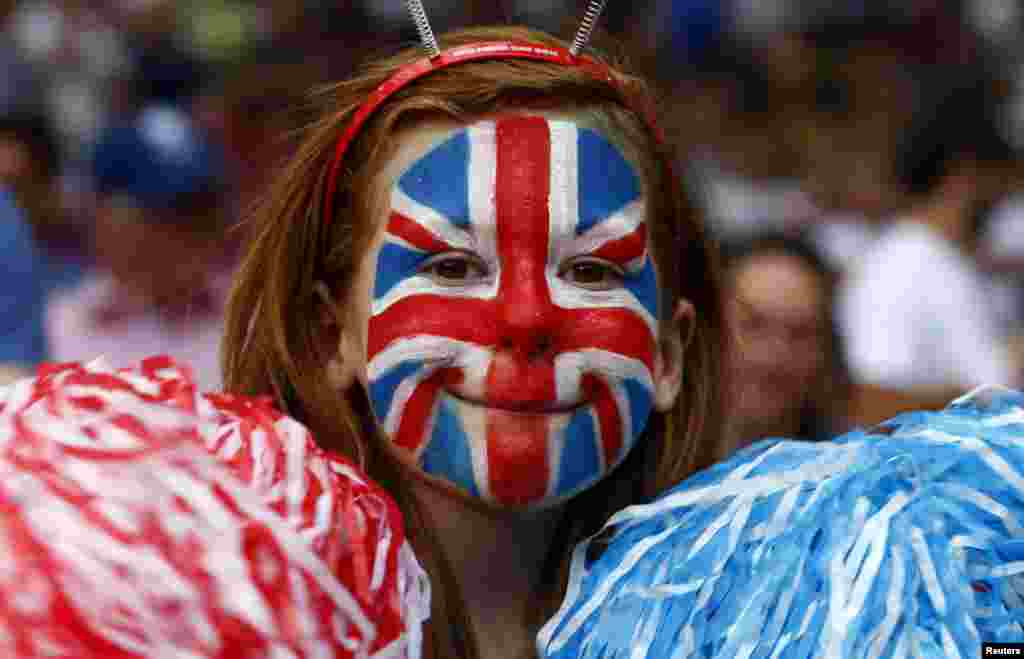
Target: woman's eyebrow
[[623, 250], [415, 234], [425, 226], [620, 237]]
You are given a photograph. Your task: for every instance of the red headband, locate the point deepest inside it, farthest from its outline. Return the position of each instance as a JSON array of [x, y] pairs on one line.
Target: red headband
[[457, 55]]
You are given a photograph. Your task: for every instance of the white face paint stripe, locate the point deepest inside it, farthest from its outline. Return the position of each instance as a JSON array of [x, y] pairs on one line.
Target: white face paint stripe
[[423, 285], [637, 263], [567, 296], [569, 368], [563, 189], [483, 170], [618, 225], [402, 395], [434, 222], [392, 239], [611, 366], [625, 418], [442, 350], [472, 418], [556, 436], [599, 439], [428, 430]]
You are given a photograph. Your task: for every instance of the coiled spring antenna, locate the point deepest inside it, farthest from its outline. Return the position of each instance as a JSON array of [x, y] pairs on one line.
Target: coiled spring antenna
[[582, 37], [419, 17]]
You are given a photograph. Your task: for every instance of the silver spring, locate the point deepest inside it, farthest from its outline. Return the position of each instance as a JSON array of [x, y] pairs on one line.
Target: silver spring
[[582, 37], [419, 17]]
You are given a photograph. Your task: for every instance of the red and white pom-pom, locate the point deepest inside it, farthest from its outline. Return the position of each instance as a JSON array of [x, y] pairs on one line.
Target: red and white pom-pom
[[139, 518]]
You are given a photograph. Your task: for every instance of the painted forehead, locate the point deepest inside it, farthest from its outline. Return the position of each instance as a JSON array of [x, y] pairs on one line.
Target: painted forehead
[[576, 168]]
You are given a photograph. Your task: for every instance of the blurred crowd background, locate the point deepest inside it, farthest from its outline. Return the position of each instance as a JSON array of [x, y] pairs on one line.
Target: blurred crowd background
[[858, 162]]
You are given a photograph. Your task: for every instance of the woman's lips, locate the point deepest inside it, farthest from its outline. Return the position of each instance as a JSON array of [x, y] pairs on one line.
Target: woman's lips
[[520, 407]]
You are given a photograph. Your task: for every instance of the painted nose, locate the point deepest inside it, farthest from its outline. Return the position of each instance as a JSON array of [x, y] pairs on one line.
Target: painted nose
[[529, 319], [529, 344], [522, 373]]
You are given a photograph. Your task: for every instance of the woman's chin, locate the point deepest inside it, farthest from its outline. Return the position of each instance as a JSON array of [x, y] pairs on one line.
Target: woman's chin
[[423, 480]]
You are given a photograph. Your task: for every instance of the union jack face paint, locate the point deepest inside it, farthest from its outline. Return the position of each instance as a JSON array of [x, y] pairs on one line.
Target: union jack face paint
[[513, 329]]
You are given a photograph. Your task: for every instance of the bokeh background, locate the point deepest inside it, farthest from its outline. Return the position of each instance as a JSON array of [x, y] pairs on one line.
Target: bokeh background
[[857, 161]]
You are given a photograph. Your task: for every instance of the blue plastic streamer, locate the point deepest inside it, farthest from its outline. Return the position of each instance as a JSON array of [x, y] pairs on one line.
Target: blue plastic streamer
[[905, 541]]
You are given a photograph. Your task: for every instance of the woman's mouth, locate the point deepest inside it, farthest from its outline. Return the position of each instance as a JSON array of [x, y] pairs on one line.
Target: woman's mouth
[[518, 407]]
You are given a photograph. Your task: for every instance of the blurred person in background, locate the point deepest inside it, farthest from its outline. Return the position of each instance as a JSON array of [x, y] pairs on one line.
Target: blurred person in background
[[742, 130], [156, 287], [20, 83], [22, 298], [80, 55], [787, 371], [915, 309], [164, 69], [255, 110], [30, 159], [865, 93], [30, 163], [1001, 256]]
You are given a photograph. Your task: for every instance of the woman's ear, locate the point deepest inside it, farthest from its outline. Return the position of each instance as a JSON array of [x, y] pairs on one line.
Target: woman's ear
[[343, 365], [668, 364]]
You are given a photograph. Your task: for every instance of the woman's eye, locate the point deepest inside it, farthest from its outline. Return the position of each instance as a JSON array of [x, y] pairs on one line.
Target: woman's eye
[[593, 274], [454, 270]]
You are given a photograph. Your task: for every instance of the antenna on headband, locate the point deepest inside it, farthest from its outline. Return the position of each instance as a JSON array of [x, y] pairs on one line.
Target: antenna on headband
[[419, 17], [471, 52], [582, 37]]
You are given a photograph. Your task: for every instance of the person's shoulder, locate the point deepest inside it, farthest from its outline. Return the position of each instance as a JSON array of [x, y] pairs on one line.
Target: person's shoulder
[[914, 240], [904, 238], [906, 255]]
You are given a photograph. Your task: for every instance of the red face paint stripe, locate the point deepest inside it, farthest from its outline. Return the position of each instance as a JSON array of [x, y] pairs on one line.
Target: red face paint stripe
[[415, 234], [517, 457], [523, 365], [413, 428], [522, 192], [619, 331], [608, 418], [625, 249], [461, 319], [521, 380]]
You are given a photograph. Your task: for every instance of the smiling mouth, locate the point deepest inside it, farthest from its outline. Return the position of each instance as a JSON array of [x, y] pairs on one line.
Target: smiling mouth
[[519, 407]]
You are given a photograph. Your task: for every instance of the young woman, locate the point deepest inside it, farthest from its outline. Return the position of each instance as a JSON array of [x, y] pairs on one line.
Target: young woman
[[511, 319]]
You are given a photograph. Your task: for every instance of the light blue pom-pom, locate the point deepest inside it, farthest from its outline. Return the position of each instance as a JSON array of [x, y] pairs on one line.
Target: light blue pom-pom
[[907, 541]]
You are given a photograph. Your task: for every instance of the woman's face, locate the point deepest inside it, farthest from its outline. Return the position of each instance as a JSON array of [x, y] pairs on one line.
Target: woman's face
[[777, 308], [505, 319]]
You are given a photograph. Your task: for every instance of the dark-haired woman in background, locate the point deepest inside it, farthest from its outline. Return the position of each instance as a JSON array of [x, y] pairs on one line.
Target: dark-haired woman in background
[[916, 309], [787, 372]]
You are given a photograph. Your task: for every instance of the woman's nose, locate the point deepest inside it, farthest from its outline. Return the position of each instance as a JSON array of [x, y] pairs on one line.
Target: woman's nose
[[529, 343], [528, 317]]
